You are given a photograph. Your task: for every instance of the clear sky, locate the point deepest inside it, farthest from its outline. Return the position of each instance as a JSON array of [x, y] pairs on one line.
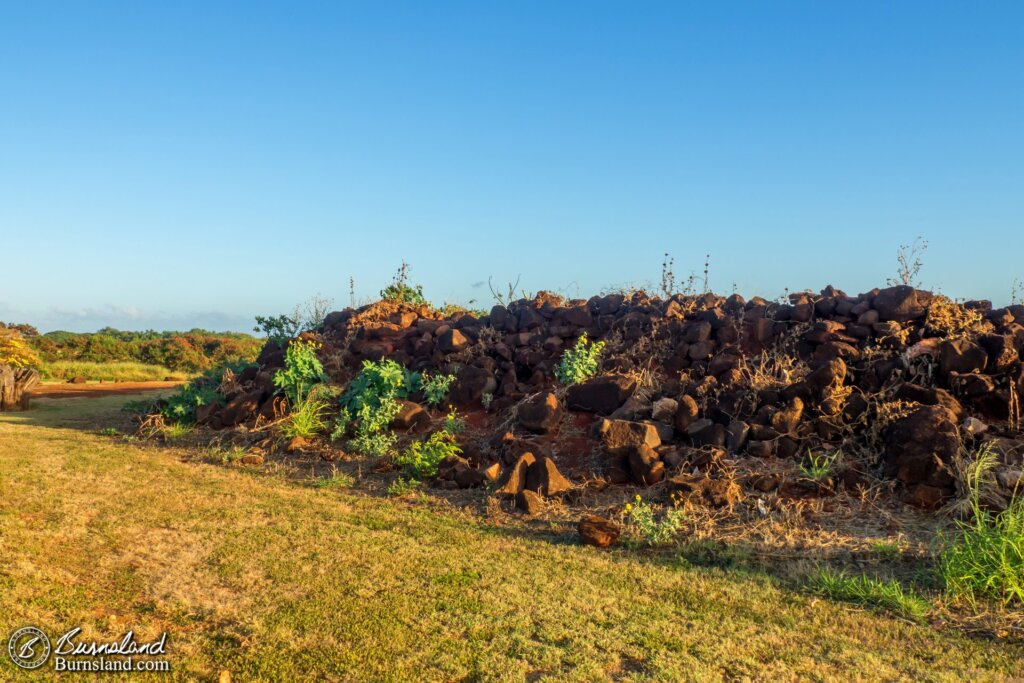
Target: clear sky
[[171, 164]]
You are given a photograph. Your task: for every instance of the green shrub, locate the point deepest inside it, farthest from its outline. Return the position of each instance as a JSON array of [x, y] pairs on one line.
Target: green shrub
[[654, 531], [181, 405], [579, 363], [302, 371], [421, 459], [181, 353], [371, 402], [377, 382], [435, 387], [862, 590], [985, 559]]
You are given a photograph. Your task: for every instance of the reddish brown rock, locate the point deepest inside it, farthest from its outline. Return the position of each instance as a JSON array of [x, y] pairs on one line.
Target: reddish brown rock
[[619, 436], [513, 479], [598, 531], [544, 478], [540, 415]]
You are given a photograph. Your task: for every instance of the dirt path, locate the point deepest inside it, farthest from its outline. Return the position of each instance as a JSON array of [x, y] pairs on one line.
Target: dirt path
[[97, 389]]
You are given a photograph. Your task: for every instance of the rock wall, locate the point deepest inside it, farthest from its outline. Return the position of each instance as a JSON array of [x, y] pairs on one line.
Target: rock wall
[[901, 381]]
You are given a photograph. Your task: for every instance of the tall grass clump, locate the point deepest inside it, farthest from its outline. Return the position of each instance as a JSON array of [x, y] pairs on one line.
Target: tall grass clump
[[985, 557], [875, 593], [309, 417]]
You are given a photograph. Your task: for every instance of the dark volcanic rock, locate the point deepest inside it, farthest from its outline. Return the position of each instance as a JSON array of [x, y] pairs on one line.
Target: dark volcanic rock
[[602, 395], [541, 414], [919, 448]]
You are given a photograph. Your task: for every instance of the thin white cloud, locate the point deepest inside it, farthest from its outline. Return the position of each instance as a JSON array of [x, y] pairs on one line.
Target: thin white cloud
[[91, 319]]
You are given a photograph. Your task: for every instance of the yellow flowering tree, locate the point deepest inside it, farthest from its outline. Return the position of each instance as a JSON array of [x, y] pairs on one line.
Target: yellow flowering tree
[[15, 351]]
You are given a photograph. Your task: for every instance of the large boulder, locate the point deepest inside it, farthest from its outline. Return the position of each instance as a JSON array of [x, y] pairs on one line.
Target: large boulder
[[241, 408], [620, 436], [471, 384], [961, 355], [544, 478], [541, 414], [902, 303], [920, 448], [602, 395]]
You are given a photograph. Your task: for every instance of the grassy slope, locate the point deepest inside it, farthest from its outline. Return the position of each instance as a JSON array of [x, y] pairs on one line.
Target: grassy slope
[[277, 581]]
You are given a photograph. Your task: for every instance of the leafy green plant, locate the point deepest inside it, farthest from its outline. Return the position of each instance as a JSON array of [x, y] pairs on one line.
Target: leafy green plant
[[435, 387], [400, 291], [579, 363], [421, 459], [820, 466], [985, 558], [377, 444], [377, 382], [181, 405], [403, 487], [647, 524], [301, 372], [371, 402], [454, 423], [862, 590]]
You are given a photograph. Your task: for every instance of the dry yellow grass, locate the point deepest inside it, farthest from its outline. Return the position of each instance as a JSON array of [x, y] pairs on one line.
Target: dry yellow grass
[[272, 579]]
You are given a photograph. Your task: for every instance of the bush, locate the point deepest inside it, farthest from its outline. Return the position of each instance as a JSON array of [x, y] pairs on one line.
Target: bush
[[371, 400], [15, 351], [421, 459], [302, 371], [579, 363], [377, 382]]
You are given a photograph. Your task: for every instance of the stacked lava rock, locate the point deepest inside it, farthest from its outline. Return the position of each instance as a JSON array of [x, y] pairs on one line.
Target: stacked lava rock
[[860, 355]]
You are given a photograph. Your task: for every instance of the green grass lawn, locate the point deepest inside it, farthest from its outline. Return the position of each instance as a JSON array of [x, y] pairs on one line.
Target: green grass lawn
[[274, 580]]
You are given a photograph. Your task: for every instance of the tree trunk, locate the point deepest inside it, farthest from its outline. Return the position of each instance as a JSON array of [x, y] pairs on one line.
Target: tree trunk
[[14, 386]]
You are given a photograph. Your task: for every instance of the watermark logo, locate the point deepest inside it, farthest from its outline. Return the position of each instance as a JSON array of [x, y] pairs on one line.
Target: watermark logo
[[29, 647]]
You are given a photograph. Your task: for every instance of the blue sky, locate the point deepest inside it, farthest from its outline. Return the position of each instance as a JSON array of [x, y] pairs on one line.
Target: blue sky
[[178, 164]]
